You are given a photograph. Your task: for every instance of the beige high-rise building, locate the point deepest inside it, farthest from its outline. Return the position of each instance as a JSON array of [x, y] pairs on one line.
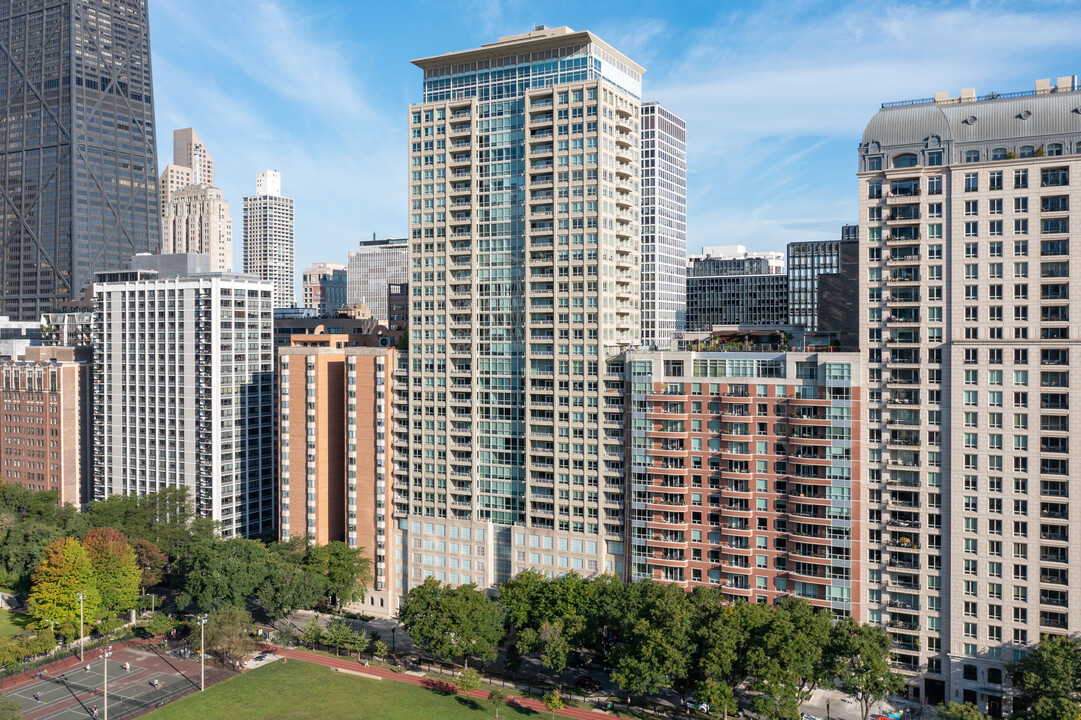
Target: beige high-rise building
[[195, 216], [966, 264], [525, 254], [268, 237]]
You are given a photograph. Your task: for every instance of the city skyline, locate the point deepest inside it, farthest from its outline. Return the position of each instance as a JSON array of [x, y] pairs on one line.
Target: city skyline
[[773, 97]]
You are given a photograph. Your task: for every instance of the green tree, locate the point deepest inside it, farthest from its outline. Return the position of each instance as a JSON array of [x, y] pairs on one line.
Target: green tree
[[723, 633], [63, 573], [228, 633], [22, 548], [116, 570], [338, 634], [860, 656], [452, 622], [1047, 678], [956, 711], [159, 623], [468, 680], [312, 632], [656, 638], [151, 561], [553, 702], [10, 710], [787, 659], [289, 586], [346, 571], [498, 698], [226, 572], [380, 649]]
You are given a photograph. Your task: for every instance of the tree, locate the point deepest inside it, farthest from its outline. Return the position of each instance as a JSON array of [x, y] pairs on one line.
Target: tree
[[380, 649], [63, 573], [289, 586], [346, 571], [1047, 679], [151, 561], [452, 622], [312, 632], [10, 710], [956, 711], [226, 572], [553, 702], [860, 658], [786, 658], [338, 634], [116, 570], [468, 680], [23, 546], [228, 633], [723, 632], [656, 638], [498, 698]]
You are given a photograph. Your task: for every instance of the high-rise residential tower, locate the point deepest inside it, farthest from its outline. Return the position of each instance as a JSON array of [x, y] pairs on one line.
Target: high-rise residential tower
[[78, 153], [525, 254], [184, 392], [664, 224], [967, 263], [268, 237], [195, 216], [373, 267], [325, 287]]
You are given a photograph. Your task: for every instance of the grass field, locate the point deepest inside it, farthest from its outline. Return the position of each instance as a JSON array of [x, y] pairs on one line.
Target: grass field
[[12, 622], [299, 690]]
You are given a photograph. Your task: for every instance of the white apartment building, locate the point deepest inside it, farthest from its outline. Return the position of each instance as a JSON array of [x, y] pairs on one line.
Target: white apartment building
[[967, 258], [372, 268], [664, 224], [268, 237], [184, 393], [525, 264]]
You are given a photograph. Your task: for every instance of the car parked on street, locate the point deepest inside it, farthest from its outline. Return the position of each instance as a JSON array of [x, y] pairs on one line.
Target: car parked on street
[[587, 684]]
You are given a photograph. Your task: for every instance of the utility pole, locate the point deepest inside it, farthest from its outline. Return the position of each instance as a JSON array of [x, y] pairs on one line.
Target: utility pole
[[202, 654], [81, 596]]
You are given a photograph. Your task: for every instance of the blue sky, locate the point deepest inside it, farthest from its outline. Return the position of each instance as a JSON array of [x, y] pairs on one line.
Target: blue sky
[[775, 94]]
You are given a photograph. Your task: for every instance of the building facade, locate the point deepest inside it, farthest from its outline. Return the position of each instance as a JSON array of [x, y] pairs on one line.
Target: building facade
[[664, 224], [808, 261], [184, 393], [529, 280], [80, 169], [268, 237], [373, 267], [196, 219], [965, 217], [726, 285], [336, 446], [325, 287], [745, 474], [45, 430]]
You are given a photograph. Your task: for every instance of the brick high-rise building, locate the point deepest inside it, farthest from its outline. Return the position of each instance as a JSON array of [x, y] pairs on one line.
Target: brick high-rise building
[[968, 257], [78, 155]]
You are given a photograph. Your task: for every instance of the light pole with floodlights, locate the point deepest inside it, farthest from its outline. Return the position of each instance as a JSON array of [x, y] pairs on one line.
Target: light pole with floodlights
[[81, 596], [202, 653], [105, 655]]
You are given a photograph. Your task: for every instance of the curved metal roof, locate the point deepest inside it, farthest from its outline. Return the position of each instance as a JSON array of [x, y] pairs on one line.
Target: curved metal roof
[[1053, 113]]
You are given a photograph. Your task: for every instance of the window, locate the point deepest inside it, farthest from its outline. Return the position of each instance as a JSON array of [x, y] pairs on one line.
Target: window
[[1054, 149], [874, 162], [1027, 151], [972, 182], [905, 160], [934, 157], [1020, 179], [934, 185], [1055, 177], [972, 156], [998, 154]]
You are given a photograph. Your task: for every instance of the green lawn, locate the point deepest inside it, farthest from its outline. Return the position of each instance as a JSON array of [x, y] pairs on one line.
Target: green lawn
[[299, 690], [12, 622]]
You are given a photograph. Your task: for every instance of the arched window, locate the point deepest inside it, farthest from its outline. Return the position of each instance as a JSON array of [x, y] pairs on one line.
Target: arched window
[[905, 160], [998, 154], [1054, 149], [972, 156], [1077, 149], [1027, 151]]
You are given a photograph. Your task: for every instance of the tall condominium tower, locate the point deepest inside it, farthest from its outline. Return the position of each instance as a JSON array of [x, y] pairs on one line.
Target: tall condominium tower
[[78, 159], [965, 218], [525, 255], [664, 224], [184, 392], [195, 217], [268, 237], [325, 287], [373, 268]]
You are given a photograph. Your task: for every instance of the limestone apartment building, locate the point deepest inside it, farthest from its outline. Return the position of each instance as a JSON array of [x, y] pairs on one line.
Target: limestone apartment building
[[745, 474], [183, 387], [335, 439], [269, 237], [966, 226], [524, 257]]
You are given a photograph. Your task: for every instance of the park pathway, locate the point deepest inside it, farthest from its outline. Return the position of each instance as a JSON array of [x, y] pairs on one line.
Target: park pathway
[[430, 683]]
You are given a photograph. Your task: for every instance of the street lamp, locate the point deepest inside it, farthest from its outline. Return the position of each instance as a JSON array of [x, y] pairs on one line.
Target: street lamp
[[81, 597], [105, 655], [394, 641], [202, 655]]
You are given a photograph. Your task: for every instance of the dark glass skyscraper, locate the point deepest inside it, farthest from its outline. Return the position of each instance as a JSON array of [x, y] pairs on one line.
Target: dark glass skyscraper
[[78, 171]]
